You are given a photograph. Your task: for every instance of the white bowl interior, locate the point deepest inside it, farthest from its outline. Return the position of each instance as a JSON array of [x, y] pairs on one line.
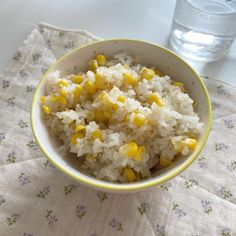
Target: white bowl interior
[[149, 55]]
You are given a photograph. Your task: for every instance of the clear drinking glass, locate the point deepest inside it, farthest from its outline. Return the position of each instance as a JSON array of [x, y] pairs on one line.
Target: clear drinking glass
[[203, 30]]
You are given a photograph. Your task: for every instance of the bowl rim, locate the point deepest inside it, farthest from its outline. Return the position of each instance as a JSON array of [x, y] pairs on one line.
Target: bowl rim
[[123, 187]]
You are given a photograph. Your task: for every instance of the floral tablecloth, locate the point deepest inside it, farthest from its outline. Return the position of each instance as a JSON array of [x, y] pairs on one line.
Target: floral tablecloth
[[37, 199]]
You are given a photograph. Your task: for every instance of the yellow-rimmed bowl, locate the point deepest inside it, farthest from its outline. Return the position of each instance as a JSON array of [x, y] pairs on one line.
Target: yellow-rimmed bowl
[[150, 55]]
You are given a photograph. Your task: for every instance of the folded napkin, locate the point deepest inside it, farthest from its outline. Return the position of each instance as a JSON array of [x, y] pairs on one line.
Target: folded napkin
[[37, 199]]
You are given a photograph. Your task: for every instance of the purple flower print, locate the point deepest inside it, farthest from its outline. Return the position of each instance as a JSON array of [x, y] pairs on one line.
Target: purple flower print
[[102, 196], [11, 102], [80, 211], [23, 73], [206, 205], [2, 136], [179, 212], [30, 88], [47, 163], [229, 124], [215, 106], [13, 218], [225, 193], [27, 234], [23, 179], [36, 56], [221, 146], [69, 45], [44, 192], [160, 229], [94, 234], [17, 56], [2, 199], [165, 187], [69, 188], [226, 232], [5, 84], [22, 124], [115, 224], [143, 208], [232, 166], [11, 158], [32, 144], [51, 219], [202, 162], [220, 90], [190, 183]]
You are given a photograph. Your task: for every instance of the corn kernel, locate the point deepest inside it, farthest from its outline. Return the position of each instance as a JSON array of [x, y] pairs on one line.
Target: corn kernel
[[159, 73], [191, 143], [93, 65], [153, 97], [61, 100], [80, 128], [42, 98], [129, 79], [101, 60], [63, 83], [147, 74], [126, 66], [63, 93], [77, 79], [139, 120], [115, 107], [46, 109], [78, 90], [100, 82], [129, 149], [180, 85], [90, 87], [53, 98], [90, 157], [75, 136], [99, 116], [165, 161], [121, 99], [97, 134], [139, 154], [130, 174]]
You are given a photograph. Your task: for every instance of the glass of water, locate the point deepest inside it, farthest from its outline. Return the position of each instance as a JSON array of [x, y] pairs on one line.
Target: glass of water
[[203, 30]]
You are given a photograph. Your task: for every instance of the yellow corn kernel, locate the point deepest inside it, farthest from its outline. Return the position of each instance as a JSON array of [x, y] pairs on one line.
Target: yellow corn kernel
[[130, 174], [63, 93], [77, 79], [61, 100], [191, 135], [126, 66], [139, 154], [179, 146], [46, 109], [159, 73], [78, 90], [75, 136], [121, 99], [153, 97], [63, 83], [99, 116], [90, 87], [129, 149], [180, 85], [165, 161], [100, 81], [42, 98], [139, 120], [90, 116], [93, 65], [90, 157], [191, 143], [80, 128], [53, 98], [115, 107], [129, 79], [101, 60], [97, 134], [147, 74], [127, 118]]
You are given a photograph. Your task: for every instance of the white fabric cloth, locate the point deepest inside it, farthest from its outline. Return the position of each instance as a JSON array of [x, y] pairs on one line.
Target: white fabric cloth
[[37, 199]]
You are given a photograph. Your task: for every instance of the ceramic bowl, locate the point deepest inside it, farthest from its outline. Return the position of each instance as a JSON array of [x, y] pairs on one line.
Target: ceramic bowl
[[150, 55]]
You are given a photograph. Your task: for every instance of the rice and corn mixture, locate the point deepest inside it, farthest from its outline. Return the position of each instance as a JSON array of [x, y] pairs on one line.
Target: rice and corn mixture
[[120, 118]]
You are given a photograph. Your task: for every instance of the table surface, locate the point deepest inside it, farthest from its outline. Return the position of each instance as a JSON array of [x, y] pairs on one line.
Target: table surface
[[148, 20]]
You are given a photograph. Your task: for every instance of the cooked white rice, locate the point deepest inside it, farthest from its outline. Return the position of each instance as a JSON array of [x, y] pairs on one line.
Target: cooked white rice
[[140, 122]]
